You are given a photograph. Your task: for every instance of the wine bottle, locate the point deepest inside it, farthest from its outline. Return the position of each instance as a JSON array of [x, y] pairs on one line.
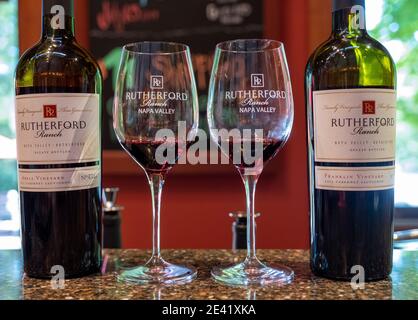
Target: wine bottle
[[58, 131], [351, 122]]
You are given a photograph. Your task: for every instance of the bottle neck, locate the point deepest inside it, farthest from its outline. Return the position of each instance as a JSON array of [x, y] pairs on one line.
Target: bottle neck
[[349, 21], [58, 19]]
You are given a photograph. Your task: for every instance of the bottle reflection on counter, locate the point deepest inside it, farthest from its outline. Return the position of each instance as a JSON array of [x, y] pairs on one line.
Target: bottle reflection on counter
[[239, 230], [112, 233]]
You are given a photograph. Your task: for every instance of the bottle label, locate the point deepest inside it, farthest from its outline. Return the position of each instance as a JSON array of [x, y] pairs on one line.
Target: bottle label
[[354, 126], [354, 179], [55, 180], [60, 131]]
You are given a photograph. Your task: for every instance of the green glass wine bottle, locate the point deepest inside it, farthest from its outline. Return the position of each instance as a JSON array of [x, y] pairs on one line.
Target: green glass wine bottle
[[351, 122], [58, 128]]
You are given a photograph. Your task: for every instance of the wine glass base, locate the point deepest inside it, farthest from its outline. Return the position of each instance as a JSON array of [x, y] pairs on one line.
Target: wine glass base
[[250, 274], [161, 273]]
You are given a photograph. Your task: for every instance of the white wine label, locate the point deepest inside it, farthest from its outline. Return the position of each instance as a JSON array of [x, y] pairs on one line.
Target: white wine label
[[355, 125], [56, 180], [57, 128], [354, 178]]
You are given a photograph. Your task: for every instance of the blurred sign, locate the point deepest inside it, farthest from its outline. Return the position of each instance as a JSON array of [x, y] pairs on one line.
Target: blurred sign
[[199, 23]]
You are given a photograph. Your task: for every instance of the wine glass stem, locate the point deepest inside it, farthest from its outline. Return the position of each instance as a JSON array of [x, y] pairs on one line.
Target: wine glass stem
[[156, 182], [250, 182]]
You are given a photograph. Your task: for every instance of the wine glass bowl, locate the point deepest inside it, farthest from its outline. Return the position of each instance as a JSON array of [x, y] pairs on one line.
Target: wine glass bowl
[[155, 92], [155, 118], [250, 117]]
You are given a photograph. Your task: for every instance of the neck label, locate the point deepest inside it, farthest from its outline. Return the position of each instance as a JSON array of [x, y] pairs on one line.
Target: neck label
[[358, 17], [58, 20]]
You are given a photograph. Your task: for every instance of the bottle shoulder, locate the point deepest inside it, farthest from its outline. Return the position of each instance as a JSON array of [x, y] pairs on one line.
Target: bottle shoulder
[[361, 48], [50, 57], [348, 62], [356, 61]]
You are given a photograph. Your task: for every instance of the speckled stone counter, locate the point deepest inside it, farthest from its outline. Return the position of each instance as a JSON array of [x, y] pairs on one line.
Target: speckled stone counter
[[13, 285]]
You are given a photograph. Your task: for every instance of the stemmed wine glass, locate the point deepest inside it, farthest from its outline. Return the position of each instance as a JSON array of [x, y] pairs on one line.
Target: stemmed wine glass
[[250, 115], [155, 118]]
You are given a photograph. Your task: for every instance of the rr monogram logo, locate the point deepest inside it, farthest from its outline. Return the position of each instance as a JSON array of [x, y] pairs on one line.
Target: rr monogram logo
[[369, 107], [157, 82], [58, 20], [257, 80], [50, 111]]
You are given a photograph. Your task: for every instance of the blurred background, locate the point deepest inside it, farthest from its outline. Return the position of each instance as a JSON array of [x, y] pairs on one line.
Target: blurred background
[[198, 199]]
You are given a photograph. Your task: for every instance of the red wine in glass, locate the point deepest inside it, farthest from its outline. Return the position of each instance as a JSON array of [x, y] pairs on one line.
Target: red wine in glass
[[270, 147], [144, 151], [246, 78], [162, 72]]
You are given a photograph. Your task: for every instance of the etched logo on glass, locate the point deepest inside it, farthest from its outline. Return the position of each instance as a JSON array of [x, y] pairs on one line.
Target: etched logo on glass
[[157, 82], [257, 80]]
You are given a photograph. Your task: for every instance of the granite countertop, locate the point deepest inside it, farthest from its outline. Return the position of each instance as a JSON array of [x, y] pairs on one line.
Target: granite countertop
[[403, 283]]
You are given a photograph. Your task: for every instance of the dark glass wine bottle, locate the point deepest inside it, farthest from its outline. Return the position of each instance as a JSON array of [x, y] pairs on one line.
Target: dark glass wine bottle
[[58, 129], [351, 120]]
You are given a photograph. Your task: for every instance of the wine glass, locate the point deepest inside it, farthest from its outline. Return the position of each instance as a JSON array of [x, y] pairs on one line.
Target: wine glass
[[250, 115], [155, 119]]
